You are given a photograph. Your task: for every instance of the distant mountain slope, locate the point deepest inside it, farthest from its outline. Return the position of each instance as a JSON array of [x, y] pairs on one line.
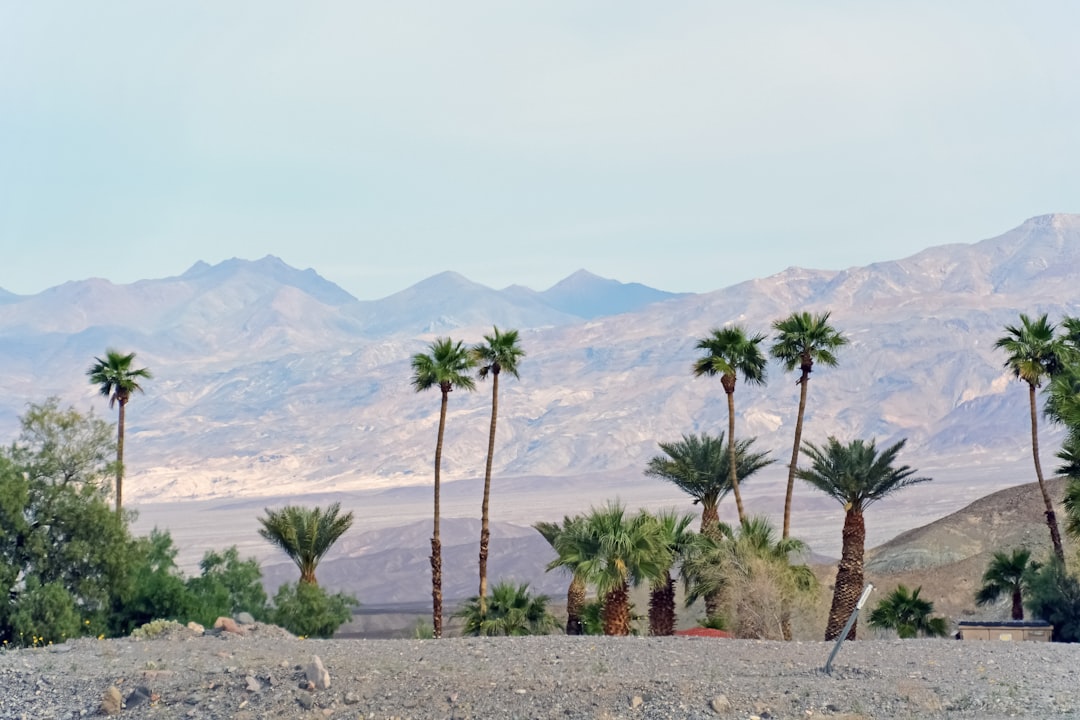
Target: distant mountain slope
[[268, 377], [587, 296]]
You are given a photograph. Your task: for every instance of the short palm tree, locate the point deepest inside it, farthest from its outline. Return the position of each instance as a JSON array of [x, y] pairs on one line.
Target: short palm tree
[[305, 534], [730, 352], [908, 614], [512, 610], [575, 593], [856, 475], [1006, 575], [802, 340], [614, 551], [699, 466], [445, 367], [499, 352], [117, 380], [1035, 355], [679, 537]]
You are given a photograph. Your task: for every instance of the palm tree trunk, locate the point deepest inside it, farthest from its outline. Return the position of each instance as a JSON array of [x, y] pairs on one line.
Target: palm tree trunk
[[575, 601], [849, 575], [436, 541], [732, 470], [1017, 604], [616, 612], [710, 528], [662, 607], [120, 457], [485, 530], [1051, 517], [803, 381]]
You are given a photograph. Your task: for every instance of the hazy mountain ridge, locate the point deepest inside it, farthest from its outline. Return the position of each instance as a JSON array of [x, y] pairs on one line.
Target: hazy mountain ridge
[[266, 375]]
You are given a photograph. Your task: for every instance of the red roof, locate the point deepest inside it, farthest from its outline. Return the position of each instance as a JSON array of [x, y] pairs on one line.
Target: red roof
[[704, 632]]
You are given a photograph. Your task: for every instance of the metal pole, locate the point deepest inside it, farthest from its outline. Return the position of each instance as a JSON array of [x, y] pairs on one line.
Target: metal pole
[[847, 627]]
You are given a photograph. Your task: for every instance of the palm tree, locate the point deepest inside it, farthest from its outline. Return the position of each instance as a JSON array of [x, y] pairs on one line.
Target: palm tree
[[575, 593], [613, 552], [729, 352], [513, 610], [803, 339], [856, 475], [908, 614], [117, 380], [1035, 355], [699, 466], [446, 367], [305, 534], [1006, 575], [678, 538], [497, 353]]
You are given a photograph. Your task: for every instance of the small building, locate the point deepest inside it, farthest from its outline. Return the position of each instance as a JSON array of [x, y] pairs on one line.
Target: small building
[[1008, 630]]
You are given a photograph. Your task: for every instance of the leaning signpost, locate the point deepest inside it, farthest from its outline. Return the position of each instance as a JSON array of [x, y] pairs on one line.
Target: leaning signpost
[[847, 627]]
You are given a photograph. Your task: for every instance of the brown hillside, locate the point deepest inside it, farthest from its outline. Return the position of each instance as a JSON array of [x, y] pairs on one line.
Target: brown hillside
[[948, 557]]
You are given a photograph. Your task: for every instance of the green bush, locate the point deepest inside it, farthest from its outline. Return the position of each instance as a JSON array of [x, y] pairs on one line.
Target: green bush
[[1054, 596], [306, 610], [228, 586], [44, 614]]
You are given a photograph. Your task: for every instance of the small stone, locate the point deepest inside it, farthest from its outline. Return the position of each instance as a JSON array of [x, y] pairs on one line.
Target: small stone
[[139, 696], [252, 684], [227, 624], [720, 704], [521, 691], [196, 627], [111, 701], [351, 698], [245, 618], [306, 701], [636, 702], [316, 673]]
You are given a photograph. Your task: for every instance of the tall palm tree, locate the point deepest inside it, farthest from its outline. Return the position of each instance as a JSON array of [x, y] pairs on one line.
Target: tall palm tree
[[908, 614], [575, 593], [613, 551], [678, 537], [117, 380], [856, 475], [729, 352], [513, 610], [1006, 575], [305, 534], [699, 466], [445, 367], [1034, 355], [499, 352], [802, 340]]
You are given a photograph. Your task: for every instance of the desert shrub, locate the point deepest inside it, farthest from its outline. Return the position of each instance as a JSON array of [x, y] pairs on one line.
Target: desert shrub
[[1054, 596], [155, 628], [307, 610], [157, 590], [44, 614], [228, 586]]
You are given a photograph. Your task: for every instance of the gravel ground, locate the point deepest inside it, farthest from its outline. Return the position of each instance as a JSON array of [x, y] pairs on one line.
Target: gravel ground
[[265, 673]]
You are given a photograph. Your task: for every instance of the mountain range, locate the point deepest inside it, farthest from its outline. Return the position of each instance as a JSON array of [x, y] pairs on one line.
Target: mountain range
[[273, 381]]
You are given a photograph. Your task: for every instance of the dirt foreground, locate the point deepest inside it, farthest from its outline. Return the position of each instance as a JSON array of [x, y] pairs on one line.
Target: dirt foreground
[[267, 673]]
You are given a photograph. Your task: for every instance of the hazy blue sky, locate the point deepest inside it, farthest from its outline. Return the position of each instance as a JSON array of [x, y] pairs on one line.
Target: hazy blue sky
[[686, 145]]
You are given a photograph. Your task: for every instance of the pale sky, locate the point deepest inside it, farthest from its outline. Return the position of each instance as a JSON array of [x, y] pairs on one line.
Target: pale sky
[[685, 145]]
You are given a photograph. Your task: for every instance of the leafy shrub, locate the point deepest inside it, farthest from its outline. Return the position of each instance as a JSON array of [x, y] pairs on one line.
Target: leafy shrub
[[307, 610], [1054, 596]]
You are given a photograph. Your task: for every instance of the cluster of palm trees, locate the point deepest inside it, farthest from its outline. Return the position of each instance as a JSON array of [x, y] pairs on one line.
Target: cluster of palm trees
[[613, 550]]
